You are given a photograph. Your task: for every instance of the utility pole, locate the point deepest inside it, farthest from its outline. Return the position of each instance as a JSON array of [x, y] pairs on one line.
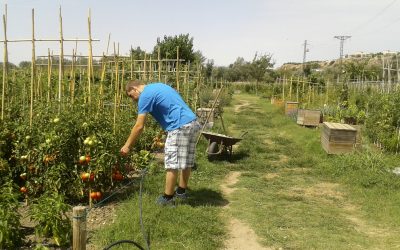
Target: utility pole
[[342, 39], [304, 55]]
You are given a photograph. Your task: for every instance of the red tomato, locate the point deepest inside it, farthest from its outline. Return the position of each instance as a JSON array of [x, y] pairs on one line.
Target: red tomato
[[93, 195], [23, 190], [117, 176], [91, 178], [87, 159], [99, 195]]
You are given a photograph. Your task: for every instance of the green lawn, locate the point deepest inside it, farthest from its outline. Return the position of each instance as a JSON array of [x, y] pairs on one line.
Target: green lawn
[[289, 192]]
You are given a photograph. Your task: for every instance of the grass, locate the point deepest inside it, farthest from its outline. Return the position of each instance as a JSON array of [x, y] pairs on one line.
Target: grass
[[290, 192]]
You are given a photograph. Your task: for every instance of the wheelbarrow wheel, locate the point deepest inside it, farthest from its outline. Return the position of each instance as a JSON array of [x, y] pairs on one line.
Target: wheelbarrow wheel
[[212, 148]]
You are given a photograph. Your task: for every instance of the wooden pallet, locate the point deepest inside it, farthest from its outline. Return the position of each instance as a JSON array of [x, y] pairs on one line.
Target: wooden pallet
[[338, 138], [308, 117]]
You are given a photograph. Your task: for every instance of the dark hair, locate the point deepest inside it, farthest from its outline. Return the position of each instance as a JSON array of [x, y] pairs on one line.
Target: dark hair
[[131, 84]]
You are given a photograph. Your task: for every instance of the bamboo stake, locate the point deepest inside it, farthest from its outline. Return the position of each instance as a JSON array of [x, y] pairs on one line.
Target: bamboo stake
[[121, 85], [39, 85], [90, 59], [290, 88], [108, 43], [209, 114], [101, 90], [5, 66], [159, 63], [177, 69], [72, 82], [116, 72], [33, 68], [49, 68], [151, 69], [131, 62], [61, 63], [115, 113], [185, 87], [145, 67], [197, 87]]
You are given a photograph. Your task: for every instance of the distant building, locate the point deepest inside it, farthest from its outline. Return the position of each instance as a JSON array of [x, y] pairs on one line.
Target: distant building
[[359, 54], [388, 52]]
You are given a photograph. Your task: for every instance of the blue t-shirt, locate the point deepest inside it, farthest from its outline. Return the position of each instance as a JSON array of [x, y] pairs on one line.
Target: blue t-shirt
[[165, 105]]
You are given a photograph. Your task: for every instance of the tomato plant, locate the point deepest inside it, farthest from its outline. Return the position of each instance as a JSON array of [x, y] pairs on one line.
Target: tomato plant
[[49, 211], [11, 236]]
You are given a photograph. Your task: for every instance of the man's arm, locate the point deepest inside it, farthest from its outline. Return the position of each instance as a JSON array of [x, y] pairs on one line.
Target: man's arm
[[135, 132]]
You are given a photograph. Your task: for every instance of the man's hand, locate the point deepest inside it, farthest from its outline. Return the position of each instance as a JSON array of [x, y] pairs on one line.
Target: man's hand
[[124, 151]]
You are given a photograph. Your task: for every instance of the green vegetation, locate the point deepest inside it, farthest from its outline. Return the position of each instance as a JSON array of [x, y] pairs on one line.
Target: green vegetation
[[59, 145], [288, 190]]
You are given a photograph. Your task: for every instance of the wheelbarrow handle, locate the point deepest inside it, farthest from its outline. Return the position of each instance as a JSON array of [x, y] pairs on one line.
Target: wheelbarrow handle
[[243, 134]]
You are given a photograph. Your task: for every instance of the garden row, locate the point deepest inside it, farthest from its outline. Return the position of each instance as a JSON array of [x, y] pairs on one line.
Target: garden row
[[375, 110]]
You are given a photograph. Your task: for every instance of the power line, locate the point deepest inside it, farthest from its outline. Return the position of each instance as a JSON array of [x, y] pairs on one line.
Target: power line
[[342, 39], [305, 50], [373, 18]]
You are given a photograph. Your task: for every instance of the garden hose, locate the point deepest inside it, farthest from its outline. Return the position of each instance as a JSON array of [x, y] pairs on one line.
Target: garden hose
[[141, 222]]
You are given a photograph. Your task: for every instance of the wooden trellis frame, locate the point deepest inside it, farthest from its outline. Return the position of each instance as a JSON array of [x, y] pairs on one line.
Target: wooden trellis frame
[[33, 41]]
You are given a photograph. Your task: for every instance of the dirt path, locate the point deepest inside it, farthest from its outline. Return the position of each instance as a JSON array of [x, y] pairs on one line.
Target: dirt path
[[241, 236], [243, 104]]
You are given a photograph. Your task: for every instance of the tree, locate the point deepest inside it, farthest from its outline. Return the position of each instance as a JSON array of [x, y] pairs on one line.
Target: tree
[[209, 68], [168, 47], [136, 53], [24, 64], [261, 67]]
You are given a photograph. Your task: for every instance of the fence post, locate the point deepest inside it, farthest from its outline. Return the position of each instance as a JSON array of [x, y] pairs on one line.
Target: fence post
[[79, 228]]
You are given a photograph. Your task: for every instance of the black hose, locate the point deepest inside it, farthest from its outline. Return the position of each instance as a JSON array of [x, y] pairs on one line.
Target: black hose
[[122, 242], [146, 239], [141, 223]]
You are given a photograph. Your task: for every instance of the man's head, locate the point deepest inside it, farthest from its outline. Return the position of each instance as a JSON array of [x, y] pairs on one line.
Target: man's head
[[134, 88]]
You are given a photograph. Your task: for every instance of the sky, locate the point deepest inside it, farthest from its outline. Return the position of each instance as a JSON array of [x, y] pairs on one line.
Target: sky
[[223, 30]]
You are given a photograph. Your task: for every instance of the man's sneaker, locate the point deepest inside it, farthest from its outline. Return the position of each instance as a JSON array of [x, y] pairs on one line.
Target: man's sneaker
[[181, 196], [162, 201]]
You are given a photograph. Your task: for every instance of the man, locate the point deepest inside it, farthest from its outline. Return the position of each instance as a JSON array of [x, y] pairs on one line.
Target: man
[[174, 116]]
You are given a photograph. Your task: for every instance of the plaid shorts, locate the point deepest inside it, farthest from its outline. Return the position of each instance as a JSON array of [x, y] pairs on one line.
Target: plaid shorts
[[180, 146]]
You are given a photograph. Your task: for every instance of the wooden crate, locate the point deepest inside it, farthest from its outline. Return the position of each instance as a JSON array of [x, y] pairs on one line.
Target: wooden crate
[[338, 138], [203, 113], [291, 108], [308, 117], [276, 101], [358, 136]]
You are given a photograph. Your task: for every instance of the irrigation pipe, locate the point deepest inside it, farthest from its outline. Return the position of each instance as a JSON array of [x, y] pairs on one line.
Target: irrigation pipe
[[141, 221]]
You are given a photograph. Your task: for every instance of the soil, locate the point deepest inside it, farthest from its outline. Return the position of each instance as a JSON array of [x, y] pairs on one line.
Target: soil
[[241, 236], [97, 217]]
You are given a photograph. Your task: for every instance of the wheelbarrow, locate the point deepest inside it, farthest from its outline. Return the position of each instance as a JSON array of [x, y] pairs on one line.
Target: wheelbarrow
[[219, 143]]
